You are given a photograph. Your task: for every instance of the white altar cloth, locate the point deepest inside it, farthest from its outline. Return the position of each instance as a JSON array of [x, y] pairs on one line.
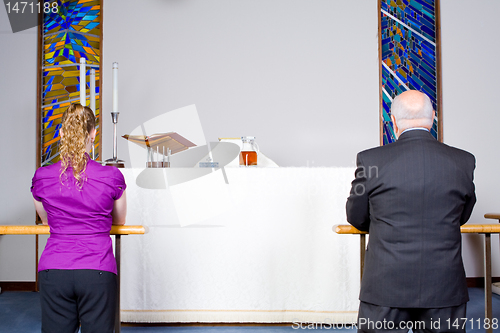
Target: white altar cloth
[[269, 256]]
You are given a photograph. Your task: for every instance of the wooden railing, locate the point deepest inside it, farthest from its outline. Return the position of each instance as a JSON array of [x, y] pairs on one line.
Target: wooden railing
[[116, 230], [485, 229]]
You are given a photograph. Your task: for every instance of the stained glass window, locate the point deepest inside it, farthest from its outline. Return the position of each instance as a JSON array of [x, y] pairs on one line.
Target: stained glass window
[[409, 48], [69, 33]]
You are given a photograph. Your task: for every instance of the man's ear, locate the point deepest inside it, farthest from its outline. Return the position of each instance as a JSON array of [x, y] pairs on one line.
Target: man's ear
[[394, 124]]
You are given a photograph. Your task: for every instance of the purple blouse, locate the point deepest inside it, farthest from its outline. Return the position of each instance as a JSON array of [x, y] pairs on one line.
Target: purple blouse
[[79, 220]]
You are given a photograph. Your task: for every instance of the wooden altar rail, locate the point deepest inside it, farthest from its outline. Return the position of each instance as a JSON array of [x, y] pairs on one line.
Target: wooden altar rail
[[486, 229], [116, 230]]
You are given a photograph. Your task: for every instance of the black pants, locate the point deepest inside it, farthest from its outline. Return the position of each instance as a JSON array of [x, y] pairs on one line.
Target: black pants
[[375, 318], [73, 297]]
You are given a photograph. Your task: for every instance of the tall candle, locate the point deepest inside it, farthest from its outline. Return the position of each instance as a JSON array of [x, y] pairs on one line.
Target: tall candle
[[92, 100], [115, 87], [83, 84], [92, 89]]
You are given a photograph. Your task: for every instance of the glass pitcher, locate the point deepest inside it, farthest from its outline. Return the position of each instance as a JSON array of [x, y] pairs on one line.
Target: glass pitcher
[[249, 151]]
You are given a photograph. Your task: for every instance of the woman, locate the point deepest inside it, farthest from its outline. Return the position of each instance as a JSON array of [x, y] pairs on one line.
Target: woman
[[79, 199]]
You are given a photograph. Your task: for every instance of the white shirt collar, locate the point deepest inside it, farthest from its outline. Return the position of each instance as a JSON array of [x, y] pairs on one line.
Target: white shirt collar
[[415, 128]]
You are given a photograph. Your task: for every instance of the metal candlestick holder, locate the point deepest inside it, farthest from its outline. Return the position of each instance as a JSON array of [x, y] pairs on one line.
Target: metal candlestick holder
[[115, 161]]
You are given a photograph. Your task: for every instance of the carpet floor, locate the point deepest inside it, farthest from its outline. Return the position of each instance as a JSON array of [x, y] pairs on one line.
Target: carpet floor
[[20, 313]]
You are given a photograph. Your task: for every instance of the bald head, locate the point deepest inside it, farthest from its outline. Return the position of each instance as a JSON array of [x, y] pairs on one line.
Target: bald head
[[411, 109]]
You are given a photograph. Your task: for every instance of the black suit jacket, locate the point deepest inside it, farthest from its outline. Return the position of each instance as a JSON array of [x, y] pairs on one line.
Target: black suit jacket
[[412, 196]]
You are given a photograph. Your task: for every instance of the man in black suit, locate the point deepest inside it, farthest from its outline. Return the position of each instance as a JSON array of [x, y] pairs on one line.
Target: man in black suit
[[412, 196]]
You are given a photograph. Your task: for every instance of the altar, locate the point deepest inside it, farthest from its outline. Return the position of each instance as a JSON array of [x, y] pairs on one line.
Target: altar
[[261, 249]]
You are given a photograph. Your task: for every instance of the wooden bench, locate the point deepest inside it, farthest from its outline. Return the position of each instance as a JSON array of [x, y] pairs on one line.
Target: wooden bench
[[116, 230], [485, 229]]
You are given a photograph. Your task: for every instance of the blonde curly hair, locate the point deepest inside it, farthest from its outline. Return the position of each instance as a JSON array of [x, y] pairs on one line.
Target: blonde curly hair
[[77, 123]]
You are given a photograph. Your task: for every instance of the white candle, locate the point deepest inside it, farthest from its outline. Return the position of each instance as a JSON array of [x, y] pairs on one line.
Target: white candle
[[92, 89], [92, 100], [115, 87], [83, 84]]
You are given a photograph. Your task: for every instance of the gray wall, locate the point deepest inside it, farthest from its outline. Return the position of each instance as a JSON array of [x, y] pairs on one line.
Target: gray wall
[[471, 114], [300, 75], [18, 56], [296, 74]]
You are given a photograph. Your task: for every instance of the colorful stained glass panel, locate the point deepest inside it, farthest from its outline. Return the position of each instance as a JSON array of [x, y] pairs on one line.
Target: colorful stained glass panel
[[68, 34], [408, 55]]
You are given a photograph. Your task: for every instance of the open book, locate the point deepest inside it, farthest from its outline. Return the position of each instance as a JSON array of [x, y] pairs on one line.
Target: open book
[[172, 140]]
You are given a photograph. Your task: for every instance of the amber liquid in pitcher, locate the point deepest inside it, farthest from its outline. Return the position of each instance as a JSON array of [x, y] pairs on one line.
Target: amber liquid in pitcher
[[248, 158]]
